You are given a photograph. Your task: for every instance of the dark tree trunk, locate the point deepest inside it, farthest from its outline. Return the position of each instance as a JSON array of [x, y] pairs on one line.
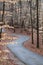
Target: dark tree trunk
[[37, 24], [0, 33], [20, 3], [31, 20], [3, 11]]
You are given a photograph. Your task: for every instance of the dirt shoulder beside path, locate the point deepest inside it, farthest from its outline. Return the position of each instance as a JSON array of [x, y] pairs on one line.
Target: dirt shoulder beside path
[[28, 44], [6, 56]]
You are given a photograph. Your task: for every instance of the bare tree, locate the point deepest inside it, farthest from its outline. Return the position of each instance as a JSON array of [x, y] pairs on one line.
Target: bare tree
[[37, 3], [31, 20], [3, 11]]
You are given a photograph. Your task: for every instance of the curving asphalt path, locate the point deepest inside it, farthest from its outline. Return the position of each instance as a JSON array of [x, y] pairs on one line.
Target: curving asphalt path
[[25, 55]]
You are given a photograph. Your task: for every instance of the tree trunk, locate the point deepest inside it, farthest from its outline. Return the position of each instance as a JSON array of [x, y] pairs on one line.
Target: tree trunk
[[31, 20], [37, 24]]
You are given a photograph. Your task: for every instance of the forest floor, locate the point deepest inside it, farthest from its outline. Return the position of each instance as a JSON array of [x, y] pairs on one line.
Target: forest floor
[[28, 44], [7, 57], [33, 47]]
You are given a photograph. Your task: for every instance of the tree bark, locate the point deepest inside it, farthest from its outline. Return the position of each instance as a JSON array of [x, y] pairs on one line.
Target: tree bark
[[37, 24]]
